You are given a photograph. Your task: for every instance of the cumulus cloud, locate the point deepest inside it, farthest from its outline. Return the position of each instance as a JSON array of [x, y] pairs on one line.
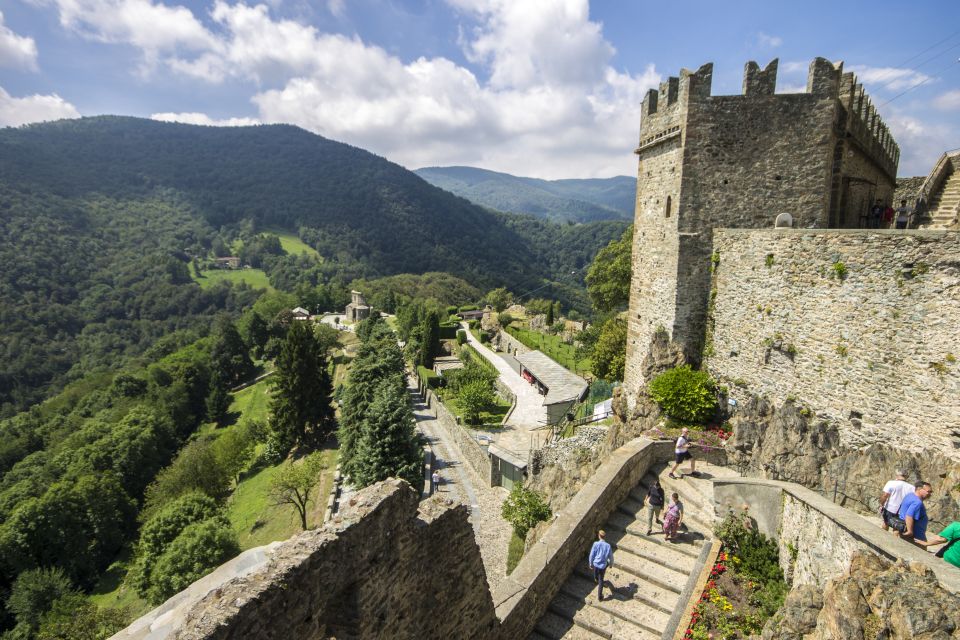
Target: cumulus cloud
[[892, 78], [949, 101], [768, 41], [36, 108], [547, 103], [203, 119], [16, 51], [921, 142], [153, 27]]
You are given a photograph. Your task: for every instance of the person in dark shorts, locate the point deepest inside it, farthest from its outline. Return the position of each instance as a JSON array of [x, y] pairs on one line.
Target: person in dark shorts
[[681, 453]]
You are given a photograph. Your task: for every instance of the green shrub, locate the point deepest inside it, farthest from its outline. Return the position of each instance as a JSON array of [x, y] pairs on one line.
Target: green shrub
[[524, 508], [461, 337], [34, 592], [200, 548], [685, 394]]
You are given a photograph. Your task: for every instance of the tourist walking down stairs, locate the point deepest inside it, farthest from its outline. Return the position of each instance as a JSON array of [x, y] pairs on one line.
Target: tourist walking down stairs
[[599, 560]]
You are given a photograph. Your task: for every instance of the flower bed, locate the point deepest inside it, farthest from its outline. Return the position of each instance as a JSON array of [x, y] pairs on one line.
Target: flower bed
[[745, 588]]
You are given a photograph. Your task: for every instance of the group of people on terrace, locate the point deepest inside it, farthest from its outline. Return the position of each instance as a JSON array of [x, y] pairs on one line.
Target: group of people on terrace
[[884, 216], [903, 512]]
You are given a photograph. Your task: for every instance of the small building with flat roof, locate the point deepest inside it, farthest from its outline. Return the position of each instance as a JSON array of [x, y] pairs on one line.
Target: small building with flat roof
[[560, 387]]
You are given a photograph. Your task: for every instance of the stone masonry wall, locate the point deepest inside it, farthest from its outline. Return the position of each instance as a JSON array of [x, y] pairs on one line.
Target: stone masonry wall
[[389, 568], [475, 454], [817, 538], [708, 162], [873, 349]]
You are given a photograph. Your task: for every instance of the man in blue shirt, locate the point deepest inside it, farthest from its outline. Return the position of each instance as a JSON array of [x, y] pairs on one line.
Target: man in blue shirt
[[599, 561], [914, 515]]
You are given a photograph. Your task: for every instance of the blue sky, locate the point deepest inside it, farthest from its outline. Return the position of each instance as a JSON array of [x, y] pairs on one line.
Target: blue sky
[[546, 88]]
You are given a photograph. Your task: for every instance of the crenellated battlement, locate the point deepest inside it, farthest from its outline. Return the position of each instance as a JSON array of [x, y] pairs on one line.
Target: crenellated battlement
[[706, 162]]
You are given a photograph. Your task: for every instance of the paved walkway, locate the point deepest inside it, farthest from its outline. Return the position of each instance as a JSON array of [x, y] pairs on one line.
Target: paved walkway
[[530, 411], [462, 484]]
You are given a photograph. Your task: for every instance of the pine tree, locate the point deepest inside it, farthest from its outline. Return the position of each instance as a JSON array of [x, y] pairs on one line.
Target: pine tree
[[218, 401], [430, 337], [258, 333], [549, 320], [377, 359], [300, 406], [229, 353], [389, 445]]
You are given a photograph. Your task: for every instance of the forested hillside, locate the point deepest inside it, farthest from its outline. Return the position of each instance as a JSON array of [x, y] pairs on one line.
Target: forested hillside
[[584, 200], [102, 221]]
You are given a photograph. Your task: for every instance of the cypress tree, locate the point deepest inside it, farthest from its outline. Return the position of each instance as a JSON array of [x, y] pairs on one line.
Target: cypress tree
[[229, 353], [219, 399], [430, 337], [301, 389], [549, 319], [389, 445]]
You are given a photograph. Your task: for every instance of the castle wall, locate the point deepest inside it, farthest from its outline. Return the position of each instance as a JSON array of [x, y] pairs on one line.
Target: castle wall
[[391, 568], [874, 351], [737, 162]]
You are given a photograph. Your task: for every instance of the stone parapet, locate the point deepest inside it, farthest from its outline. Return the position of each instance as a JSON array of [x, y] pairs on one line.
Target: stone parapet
[[389, 568], [524, 595], [817, 538]]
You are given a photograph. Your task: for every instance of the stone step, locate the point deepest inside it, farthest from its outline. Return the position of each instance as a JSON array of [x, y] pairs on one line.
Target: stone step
[[536, 636], [648, 569], [701, 514], [693, 536], [626, 583], [688, 493], [655, 550], [624, 604], [555, 627], [603, 623], [692, 501]]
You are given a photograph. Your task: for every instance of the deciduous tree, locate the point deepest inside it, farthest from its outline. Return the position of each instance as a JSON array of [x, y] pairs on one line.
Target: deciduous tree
[[608, 279], [295, 482]]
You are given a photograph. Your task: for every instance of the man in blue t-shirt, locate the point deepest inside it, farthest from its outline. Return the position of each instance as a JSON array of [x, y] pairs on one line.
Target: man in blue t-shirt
[[599, 561], [914, 516]]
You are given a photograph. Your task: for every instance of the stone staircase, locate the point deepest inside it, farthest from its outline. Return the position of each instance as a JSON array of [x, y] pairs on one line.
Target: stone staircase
[[945, 204], [648, 573]]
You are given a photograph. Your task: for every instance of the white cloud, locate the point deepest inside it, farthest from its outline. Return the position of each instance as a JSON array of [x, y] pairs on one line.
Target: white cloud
[[552, 106], [203, 119], [769, 41], [891, 78], [36, 108], [949, 101], [153, 27], [336, 7], [16, 51], [921, 142]]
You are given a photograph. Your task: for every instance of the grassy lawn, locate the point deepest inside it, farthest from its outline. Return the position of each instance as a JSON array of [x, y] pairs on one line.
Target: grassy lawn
[[514, 552], [254, 277], [253, 402], [491, 415], [257, 521], [554, 347], [292, 244], [111, 592]]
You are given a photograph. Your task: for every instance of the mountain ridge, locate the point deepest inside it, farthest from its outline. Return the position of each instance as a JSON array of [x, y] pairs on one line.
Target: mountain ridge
[[571, 199]]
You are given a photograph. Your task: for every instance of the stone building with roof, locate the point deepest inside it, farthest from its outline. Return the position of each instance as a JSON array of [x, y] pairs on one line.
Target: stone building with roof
[[561, 388]]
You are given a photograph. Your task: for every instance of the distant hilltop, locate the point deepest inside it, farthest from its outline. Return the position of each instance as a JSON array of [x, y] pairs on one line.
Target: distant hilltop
[[585, 200]]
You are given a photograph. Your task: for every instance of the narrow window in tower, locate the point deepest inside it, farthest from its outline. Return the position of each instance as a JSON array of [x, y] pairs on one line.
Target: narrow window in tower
[[667, 210]]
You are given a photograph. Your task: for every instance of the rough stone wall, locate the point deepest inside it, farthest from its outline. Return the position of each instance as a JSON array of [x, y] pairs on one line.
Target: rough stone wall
[[873, 350], [503, 341], [390, 568], [475, 454], [816, 537], [708, 162]]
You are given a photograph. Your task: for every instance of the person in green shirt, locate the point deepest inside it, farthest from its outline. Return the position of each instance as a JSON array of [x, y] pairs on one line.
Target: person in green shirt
[[951, 534]]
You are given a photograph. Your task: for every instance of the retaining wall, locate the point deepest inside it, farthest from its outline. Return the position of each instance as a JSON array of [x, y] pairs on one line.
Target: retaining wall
[[475, 455], [816, 536], [523, 597]]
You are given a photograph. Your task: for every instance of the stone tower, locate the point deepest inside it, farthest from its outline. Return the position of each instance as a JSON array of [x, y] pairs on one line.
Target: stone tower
[[737, 161]]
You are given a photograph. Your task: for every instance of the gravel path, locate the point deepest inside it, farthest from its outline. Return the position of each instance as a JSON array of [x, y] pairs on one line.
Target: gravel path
[[462, 484]]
